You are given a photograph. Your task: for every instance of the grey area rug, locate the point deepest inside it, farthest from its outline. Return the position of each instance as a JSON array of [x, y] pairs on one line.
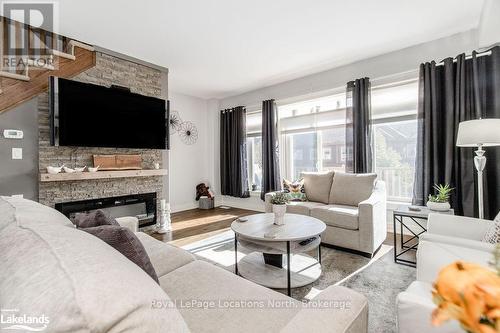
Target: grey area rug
[[379, 278]]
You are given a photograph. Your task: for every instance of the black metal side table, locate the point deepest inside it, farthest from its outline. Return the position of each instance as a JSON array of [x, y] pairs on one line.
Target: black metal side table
[[414, 222]]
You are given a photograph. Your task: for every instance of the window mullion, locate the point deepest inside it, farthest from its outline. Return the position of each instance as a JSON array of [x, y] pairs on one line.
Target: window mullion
[[250, 158], [319, 150], [290, 157]]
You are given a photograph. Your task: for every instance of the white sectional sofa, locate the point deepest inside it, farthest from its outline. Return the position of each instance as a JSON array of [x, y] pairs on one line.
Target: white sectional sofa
[[448, 239], [78, 282], [353, 207]]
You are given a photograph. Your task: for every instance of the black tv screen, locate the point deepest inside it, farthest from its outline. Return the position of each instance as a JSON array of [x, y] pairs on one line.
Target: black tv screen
[[88, 115]]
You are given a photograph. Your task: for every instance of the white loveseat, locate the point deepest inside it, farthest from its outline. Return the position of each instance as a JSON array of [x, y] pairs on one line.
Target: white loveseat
[[353, 207], [80, 284], [448, 239]]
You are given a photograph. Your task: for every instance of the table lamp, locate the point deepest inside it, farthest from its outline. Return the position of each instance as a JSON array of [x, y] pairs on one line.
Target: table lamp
[[479, 133]]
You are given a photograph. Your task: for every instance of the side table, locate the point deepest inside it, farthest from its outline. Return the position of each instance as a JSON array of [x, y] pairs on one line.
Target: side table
[[416, 224]]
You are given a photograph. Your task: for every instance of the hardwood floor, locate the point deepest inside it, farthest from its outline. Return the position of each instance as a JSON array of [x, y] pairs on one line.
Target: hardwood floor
[[197, 224]]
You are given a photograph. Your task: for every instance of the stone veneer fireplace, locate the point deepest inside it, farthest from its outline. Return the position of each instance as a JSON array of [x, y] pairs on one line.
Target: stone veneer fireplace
[[108, 70]]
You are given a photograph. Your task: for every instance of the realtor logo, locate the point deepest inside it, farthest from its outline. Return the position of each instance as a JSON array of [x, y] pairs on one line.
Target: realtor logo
[[12, 319], [27, 33]]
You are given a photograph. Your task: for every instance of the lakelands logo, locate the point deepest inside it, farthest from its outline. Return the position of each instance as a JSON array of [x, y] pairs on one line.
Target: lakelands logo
[[12, 319]]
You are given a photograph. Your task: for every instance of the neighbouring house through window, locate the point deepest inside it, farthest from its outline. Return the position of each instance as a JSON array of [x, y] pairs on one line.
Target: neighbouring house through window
[[394, 114]]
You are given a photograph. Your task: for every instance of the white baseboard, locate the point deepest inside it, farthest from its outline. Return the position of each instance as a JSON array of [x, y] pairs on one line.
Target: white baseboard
[[175, 208], [182, 207], [252, 203]]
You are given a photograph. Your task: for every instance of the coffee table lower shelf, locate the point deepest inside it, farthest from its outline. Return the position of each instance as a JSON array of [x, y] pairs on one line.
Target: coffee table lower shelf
[[304, 270], [273, 244]]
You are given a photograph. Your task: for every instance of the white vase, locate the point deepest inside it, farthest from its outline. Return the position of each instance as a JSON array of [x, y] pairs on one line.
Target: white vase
[[279, 214], [164, 223], [438, 206]]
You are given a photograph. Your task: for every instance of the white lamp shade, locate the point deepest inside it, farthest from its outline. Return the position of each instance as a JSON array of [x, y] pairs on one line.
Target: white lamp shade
[[485, 132]]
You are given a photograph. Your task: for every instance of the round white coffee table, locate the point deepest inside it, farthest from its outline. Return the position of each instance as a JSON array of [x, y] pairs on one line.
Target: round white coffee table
[[269, 242]]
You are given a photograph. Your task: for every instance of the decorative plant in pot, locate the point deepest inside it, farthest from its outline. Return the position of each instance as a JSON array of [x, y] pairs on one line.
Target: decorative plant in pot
[[279, 201], [440, 200]]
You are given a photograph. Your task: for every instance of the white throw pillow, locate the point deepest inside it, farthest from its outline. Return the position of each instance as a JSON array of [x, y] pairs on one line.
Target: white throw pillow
[[492, 235], [317, 185], [351, 188]]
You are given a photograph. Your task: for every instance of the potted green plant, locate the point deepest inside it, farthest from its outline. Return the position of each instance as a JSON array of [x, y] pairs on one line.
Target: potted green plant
[[279, 201], [440, 201]]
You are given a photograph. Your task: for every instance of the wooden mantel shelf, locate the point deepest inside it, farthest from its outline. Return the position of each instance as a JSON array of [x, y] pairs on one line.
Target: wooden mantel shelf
[[76, 176]]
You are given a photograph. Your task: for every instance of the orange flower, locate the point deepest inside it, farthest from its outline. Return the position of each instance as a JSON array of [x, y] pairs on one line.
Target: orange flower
[[470, 294]]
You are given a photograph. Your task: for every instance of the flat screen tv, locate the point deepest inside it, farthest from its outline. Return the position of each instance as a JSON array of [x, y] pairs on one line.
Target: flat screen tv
[[88, 115]]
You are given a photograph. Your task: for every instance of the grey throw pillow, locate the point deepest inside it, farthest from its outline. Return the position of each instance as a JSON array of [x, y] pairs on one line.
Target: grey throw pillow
[[126, 242], [492, 235], [93, 219]]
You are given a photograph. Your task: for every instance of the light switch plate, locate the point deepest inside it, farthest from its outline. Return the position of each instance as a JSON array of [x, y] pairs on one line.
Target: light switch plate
[[13, 134], [17, 153]]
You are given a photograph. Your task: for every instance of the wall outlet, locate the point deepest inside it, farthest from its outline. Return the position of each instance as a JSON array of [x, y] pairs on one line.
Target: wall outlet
[[17, 153]]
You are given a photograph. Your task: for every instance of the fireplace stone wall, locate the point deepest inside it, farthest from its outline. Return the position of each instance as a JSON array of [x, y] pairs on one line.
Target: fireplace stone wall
[[108, 70]]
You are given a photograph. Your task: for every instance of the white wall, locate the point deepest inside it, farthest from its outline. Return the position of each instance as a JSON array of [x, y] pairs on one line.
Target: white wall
[[213, 109], [489, 27], [189, 164], [389, 64]]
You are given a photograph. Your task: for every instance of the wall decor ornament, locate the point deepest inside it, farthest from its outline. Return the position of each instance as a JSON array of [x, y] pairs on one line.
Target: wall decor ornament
[[175, 122], [187, 130], [188, 133]]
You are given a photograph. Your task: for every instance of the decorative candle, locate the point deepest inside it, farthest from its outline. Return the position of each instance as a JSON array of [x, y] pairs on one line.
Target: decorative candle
[[163, 204]]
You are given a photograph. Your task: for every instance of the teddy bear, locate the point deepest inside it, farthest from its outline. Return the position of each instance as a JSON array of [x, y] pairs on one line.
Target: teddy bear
[[202, 190]]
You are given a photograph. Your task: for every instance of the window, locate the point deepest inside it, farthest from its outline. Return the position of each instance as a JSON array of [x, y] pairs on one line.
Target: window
[[312, 136], [254, 149], [327, 153], [394, 110], [302, 147]]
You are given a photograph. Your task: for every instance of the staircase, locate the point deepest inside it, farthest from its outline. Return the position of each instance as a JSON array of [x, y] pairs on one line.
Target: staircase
[[35, 55]]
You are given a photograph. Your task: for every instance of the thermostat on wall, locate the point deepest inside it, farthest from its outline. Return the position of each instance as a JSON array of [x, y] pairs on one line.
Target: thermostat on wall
[[13, 134]]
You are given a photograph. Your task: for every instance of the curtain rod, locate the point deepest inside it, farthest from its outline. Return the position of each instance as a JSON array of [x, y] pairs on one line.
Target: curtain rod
[[486, 51], [467, 57], [400, 78], [394, 84], [481, 52]]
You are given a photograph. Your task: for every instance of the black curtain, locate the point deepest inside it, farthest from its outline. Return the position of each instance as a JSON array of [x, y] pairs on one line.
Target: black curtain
[[271, 180], [458, 90], [233, 153], [358, 130]]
